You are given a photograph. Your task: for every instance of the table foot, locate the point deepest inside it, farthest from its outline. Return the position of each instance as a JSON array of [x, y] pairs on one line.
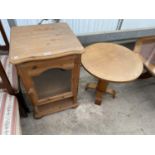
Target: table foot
[[101, 88], [111, 92], [91, 86]]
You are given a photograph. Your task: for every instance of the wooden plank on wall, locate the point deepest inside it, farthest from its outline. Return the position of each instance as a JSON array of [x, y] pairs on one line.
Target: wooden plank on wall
[[116, 36]]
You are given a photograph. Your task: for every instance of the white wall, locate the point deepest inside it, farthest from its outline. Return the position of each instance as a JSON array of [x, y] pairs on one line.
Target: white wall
[[7, 30], [1, 40], [86, 26], [80, 26]]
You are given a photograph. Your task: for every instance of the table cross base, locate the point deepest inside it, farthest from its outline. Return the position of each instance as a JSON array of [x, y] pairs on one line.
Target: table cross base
[[101, 88]]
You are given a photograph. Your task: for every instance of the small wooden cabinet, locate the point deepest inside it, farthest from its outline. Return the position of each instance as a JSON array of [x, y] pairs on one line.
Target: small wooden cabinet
[[49, 65]]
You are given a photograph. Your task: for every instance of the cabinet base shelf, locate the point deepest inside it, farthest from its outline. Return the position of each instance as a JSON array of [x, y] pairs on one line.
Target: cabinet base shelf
[[43, 110]]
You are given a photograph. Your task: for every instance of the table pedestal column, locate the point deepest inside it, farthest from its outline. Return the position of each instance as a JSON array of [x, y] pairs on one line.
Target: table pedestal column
[[101, 88]]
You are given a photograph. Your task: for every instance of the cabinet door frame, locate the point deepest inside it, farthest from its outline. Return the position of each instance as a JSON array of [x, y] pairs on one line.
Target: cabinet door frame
[[34, 68]]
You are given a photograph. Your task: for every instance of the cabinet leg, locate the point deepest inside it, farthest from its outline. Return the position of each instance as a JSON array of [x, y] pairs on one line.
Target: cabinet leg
[[91, 86], [75, 106]]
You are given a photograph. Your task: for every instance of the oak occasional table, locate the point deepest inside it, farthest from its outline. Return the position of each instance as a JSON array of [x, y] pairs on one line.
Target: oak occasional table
[[110, 62], [47, 58]]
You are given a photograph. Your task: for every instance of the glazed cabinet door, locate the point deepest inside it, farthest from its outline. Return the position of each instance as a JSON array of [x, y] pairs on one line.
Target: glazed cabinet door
[[51, 80]]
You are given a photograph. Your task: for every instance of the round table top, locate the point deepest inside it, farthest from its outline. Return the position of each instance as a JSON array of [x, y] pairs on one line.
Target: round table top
[[112, 62]]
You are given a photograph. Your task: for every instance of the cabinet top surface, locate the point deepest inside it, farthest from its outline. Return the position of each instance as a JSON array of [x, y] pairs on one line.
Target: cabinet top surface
[[39, 42]]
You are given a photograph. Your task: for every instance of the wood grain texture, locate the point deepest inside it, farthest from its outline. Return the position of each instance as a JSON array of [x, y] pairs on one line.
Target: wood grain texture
[[49, 89], [112, 62], [42, 42], [54, 107], [145, 47], [47, 58], [100, 90]]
